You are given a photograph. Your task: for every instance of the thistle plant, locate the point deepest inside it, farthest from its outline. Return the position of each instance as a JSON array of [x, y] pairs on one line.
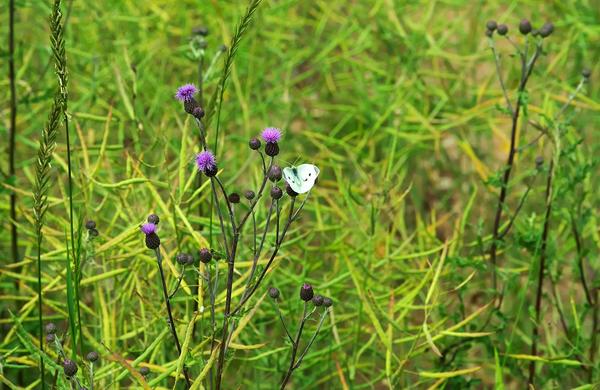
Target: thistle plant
[[319, 302]]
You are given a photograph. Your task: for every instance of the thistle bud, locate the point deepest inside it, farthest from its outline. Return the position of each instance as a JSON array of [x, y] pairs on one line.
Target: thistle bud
[[524, 27], [502, 29], [327, 302], [50, 328], [306, 292], [69, 368], [205, 255], [153, 218], [144, 371], [586, 73], [318, 300], [234, 198], [275, 173], [152, 241], [289, 190], [198, 112], [182, 258], [489, 33], [90, 225], [92, 356], [254, 144], [273, 292], [272, 149], [546, 30], [93, 232], [50, 338], [249, 194], [276, 193], [189, 105], [491, 25]]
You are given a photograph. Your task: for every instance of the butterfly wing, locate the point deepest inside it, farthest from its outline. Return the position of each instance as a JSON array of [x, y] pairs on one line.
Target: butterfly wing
[[290, 174], [307, 174]]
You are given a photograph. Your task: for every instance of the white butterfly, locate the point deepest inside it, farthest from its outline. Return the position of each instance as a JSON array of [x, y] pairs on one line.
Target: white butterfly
[[301, 178]]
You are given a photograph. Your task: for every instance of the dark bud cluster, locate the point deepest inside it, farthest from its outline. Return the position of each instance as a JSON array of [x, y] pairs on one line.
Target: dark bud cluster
[[69, 368], [205, 255], [525, 28], [275, 173]]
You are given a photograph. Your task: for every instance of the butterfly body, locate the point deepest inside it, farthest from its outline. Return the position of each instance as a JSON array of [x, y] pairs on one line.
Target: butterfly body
[[301, 178]]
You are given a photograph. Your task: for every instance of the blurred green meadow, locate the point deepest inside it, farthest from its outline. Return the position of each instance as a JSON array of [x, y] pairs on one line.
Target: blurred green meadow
[[399, 105]]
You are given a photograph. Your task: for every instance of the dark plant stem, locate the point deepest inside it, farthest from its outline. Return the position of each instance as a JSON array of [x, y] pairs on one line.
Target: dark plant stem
[[13, 131], [295, 345], [594, 341], [542, 268], [578, 245], [526, 69], [169, 312]]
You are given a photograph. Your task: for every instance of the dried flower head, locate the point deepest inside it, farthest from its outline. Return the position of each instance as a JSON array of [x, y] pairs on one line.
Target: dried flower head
[[206, 162], [186, 92], [271, 135]]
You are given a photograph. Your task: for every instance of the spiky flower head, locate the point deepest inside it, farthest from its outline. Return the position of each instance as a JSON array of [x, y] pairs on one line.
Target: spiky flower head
[[186, 92], [271, 135], [206, 161], [148, 228]]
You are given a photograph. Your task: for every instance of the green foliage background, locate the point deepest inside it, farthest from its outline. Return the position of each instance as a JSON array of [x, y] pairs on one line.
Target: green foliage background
[[398, 104]]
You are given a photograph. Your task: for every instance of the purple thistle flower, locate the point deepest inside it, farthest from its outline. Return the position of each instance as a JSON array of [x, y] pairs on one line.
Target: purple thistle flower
[[186, 92], [148, 228], [271, 134], [205, 161]]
